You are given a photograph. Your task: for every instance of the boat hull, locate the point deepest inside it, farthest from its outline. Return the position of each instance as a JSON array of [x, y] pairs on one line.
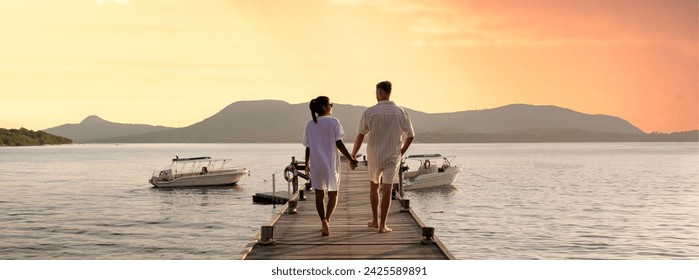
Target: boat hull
[[429, 180], [226, 178]]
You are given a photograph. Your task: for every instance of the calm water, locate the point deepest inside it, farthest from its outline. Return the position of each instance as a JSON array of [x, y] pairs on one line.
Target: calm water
[[512, 201]]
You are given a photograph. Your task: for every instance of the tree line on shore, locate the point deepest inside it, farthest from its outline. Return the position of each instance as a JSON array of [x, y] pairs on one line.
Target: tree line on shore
[[26, 137]]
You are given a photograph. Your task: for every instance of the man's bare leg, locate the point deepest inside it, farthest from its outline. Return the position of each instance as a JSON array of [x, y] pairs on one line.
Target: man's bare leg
[[385, 206], [374, 198]]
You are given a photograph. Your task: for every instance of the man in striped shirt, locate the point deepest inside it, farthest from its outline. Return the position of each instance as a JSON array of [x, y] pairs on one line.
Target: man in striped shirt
[[385, 124]]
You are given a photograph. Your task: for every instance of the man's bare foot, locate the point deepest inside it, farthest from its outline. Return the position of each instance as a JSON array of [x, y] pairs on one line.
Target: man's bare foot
[[373, 224], [385, 229], [326, 228]]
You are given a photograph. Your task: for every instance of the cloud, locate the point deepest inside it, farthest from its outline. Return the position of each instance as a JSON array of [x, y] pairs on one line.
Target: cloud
[[476, 32], [397, 6], [429, 26], [472, 23]]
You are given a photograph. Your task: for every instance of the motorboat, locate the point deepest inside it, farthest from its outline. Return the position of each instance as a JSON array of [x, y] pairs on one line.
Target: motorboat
[[429, 173], [198, 172]]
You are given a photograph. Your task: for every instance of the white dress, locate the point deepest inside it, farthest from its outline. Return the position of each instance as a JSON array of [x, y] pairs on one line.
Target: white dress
[[324, 157]]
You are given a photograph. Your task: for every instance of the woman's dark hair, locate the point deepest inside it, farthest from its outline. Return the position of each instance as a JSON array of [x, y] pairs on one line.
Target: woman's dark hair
[[317, 105]]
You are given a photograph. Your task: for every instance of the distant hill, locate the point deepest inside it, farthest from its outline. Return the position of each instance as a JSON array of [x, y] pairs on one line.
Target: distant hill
[[267, 121], [94, 127], [25, 137], [273, 121], [519, 118]]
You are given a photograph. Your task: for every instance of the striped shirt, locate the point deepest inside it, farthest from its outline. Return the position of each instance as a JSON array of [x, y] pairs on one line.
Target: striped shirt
[[385, 124]]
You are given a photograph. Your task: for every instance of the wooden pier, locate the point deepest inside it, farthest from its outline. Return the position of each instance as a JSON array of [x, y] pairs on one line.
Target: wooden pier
[[295, 232]]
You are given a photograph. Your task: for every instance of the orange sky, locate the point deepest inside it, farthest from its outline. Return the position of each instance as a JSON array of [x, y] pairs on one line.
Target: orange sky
[[176, 62]]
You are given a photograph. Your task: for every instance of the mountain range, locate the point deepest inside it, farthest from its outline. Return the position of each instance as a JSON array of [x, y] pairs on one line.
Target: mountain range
[[94, 127], [273, 121]]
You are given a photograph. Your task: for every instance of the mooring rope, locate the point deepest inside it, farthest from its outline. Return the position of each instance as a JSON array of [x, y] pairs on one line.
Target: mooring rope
[[263, 179], [479, 175]]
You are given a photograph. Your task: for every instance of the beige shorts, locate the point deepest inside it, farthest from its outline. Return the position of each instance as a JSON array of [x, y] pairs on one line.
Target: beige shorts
[[389, 174]]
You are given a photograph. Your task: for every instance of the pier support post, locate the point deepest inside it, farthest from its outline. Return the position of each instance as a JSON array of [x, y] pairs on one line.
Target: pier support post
[[302, 195], [427, 235], [295, 177], [267, 236], [405, 205], [274, 186], [295, 181], [293, 207]]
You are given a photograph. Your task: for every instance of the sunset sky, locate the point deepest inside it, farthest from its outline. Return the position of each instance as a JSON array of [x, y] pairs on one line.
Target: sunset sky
[[177, 62]]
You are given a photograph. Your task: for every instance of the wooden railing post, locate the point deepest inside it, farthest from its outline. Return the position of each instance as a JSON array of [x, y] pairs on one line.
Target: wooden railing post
[[405, 205], [427, 235], [267, 236], [293, 207]]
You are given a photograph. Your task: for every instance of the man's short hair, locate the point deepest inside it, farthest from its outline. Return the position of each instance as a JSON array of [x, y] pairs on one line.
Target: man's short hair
[[385, 86]]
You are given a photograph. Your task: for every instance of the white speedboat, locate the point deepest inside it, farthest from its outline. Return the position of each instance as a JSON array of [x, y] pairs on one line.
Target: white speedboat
[[430, 174], [198, 172]]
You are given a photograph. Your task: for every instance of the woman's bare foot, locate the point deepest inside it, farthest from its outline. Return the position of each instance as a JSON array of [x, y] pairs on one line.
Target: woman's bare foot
[[373, 224], [385, 229], [326, 228]]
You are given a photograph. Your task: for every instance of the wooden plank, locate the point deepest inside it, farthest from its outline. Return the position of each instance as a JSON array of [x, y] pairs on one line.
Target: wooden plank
[[354, 251]]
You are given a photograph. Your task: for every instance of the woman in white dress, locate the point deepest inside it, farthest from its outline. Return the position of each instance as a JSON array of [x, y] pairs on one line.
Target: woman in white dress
[[323, 138]]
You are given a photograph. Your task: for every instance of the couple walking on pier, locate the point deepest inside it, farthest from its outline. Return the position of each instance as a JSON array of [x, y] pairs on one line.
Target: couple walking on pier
[[384, 124]]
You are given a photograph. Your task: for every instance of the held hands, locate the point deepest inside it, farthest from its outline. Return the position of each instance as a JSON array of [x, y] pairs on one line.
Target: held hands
[[353, 163]]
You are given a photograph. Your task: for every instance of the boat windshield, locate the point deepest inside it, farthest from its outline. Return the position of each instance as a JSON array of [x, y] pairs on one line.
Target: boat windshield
[[428, 160], [197, 165], [431, 157]]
